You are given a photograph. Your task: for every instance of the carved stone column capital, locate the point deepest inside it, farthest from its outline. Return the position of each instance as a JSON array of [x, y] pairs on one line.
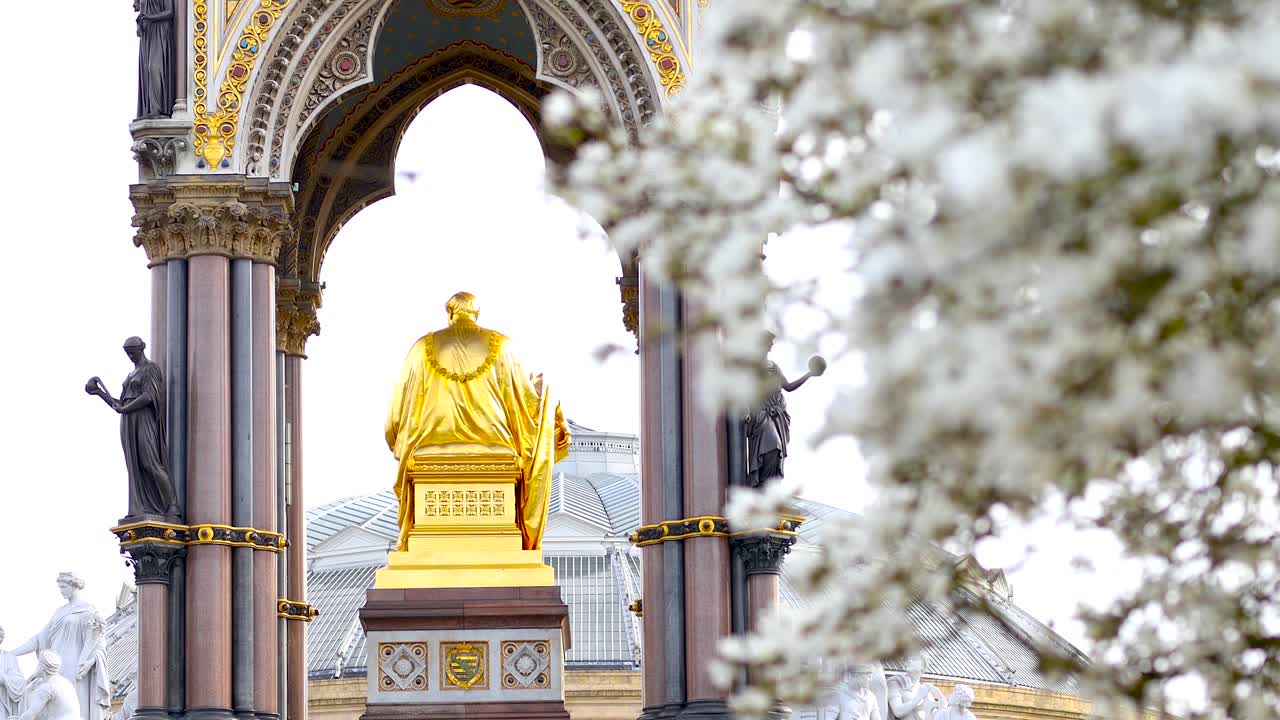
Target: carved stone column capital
[[629, 289], [297, 302], [176, 218], [152, 562], [763, 552]]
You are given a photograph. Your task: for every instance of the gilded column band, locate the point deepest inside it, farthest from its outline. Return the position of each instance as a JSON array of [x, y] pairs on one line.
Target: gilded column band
[[157, 533]]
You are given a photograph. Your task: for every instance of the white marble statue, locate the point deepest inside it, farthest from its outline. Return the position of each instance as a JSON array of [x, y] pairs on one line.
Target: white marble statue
[[854, 699], [75, 633], [49, 695], [12, 683], [910, 699], [958, 705]]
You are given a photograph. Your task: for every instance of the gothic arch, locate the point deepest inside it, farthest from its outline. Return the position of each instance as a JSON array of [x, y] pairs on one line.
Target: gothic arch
[[324, 53], [329, 104]]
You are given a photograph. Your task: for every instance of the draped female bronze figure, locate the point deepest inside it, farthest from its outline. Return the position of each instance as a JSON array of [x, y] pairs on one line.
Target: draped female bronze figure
[[157, 58], [142, 433]]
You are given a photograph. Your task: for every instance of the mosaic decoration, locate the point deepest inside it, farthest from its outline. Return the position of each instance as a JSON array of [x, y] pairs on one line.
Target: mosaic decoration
[[467, 8], [658, 43], [463, 665], [215, 135], [634, 115], [463, 503], [526, 664], [402, 666], [346, 64]]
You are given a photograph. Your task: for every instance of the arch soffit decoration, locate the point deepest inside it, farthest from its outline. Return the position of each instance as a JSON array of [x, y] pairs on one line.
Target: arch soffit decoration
[[323, 56], [353, 166]]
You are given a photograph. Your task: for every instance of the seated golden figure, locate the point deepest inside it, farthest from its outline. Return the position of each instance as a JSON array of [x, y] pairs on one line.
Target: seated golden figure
[[467, 426]]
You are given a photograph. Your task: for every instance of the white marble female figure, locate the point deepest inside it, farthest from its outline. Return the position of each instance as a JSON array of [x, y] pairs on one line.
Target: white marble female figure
[[910, 699], [75, 634], [855, 698], [49, 695], [958, 705], [11, 684]]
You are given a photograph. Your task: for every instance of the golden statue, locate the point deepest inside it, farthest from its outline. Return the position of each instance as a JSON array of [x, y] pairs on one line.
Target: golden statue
[[476, 438]]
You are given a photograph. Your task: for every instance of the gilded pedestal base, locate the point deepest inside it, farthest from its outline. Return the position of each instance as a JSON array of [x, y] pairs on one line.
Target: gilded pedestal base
[[464, 530]]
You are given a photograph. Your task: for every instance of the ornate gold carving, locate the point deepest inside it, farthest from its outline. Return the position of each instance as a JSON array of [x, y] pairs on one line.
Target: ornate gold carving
[[463, 503], [467, 8], [402, 666], [232, 219], [215, 135], [464, 665], [658, 43], [495, 345], [444, 465]]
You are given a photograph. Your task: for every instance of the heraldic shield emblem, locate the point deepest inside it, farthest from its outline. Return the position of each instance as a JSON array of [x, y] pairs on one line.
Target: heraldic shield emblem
[[463, 665]]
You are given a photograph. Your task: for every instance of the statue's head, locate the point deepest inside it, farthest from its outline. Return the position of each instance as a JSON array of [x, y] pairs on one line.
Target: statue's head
[[915, 666], [49, 662], [133, 347], [1, 635], [961, 697], [69, 584], [462, 305], [860, 676]]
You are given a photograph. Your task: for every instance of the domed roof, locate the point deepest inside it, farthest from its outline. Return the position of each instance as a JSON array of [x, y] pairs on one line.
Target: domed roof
[[598, 572]]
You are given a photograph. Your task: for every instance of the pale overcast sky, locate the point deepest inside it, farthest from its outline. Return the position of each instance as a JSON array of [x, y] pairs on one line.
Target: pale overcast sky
[[73, 287]]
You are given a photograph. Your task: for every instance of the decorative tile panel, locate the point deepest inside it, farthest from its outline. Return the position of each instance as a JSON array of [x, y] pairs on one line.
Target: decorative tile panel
[[526, 664], [402, 666], [463, 503]]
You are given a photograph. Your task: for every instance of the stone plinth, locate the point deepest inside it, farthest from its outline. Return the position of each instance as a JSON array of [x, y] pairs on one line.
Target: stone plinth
[[474, 653]]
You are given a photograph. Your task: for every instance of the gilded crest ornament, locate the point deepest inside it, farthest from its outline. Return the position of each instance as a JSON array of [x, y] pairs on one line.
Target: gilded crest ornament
[[463, 665], [467, 8]]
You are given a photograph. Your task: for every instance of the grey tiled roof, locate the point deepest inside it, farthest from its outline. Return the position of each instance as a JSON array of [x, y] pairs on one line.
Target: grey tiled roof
[[577, 498], [335, 641]]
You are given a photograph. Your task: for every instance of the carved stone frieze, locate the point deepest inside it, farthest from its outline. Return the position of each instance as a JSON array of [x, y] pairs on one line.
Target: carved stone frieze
[[626, 75], [283, 72], [234, 219], [345, 65], [763, 552], [157, 156], [561, 57]]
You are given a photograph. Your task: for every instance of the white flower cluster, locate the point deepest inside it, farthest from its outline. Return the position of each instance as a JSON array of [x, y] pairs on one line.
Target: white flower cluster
[[1067, 231]]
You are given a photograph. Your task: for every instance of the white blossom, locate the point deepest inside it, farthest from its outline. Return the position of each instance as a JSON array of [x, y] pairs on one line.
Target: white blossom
[[1063, 215]]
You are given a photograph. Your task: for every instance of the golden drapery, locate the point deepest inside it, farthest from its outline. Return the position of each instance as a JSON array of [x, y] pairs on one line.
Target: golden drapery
[[462, 388]]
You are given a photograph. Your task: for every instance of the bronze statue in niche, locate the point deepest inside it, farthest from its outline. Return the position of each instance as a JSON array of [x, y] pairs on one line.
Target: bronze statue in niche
[[157, 58]]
